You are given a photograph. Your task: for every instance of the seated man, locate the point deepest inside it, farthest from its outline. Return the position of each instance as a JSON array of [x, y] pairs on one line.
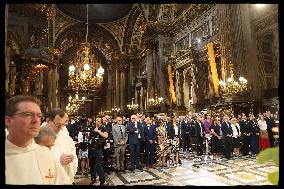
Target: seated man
[[25, 161]]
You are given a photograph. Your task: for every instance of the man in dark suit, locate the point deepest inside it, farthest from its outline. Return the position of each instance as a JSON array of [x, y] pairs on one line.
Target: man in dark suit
[[245, 134], [227, 133], [97, 141], [120, 137], [150, 138], [199, 135], [169, 128], [184, 128], [135, 137], [270, 124], [107, 124]]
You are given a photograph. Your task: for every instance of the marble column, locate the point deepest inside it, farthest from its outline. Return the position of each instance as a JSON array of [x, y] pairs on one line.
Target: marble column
[[116, 103], [54, 89], [141, 99], [136, 96], [122, 90], [49, 83], [177, 86], [109, 90], [185, 91], [210, 26], [7, 55]]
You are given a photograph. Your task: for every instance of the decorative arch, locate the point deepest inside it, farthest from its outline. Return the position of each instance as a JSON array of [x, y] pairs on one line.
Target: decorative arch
[[135, 13], [99, 38]]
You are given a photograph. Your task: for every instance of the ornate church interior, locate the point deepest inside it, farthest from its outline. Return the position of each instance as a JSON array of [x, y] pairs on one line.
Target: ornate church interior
[[154, 59]]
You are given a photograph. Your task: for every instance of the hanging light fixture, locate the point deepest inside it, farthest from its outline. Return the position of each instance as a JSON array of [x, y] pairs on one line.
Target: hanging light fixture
[[74, 104], [232, 87], [156, 101], [132, 106], [86, 74]]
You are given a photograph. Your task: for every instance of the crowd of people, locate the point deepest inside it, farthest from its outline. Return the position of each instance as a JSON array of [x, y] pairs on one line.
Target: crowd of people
[[156, 141], [61, 147]]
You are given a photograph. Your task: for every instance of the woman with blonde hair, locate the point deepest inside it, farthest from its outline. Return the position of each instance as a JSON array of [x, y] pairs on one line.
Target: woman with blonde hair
[[236, 136], [263, 138]]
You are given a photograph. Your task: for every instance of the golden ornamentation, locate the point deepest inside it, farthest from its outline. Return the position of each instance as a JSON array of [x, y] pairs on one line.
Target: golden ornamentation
[[86, 74], [74, 104], [156, 101], [232, 87], [132, 106]]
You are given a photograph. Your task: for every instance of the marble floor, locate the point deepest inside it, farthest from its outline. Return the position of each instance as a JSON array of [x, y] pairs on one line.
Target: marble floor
[[194, 171]]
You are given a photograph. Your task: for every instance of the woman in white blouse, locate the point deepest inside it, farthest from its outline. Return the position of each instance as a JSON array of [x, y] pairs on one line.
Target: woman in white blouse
[[263, 138], [236, 136]]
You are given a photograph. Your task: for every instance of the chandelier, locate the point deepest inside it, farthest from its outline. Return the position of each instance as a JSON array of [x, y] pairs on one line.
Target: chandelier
[[115, 109], [132, 106], [232, 87], [156, 101], [74, 104], [85, 74]]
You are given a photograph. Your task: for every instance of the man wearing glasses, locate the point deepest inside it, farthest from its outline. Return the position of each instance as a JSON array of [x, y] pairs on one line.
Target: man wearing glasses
[[64, 148], [25, 161]]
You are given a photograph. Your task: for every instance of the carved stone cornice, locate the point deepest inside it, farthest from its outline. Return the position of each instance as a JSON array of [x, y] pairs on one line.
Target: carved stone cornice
[[265, 24], [183, 58], [188, 16]]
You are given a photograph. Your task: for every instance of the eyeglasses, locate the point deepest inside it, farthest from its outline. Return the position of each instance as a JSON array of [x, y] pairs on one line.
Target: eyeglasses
[[30, 115], [58, 125]]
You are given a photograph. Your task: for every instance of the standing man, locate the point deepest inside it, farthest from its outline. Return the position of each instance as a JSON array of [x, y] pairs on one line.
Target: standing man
[[245, 134], [184, 134], [97, 141], [120, 138], [199, 135], [227, 133], [255, 131], [107, 160], [136, 137], [150, 140], [25, 161], [64, 148], [270, 124]]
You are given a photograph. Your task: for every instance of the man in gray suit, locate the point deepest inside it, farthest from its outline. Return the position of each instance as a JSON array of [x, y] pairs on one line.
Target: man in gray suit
[[119, 140]]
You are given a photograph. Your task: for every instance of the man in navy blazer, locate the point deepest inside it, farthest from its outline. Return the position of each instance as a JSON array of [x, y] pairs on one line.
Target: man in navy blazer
[[135, 138], [227, 133], [169, 128], [150, 140]]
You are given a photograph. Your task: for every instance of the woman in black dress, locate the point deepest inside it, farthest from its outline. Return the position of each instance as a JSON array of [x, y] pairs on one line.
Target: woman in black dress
[[216, 140]]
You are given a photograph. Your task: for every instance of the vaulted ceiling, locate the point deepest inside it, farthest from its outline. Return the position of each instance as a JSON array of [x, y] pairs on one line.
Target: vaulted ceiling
[[98, 13]]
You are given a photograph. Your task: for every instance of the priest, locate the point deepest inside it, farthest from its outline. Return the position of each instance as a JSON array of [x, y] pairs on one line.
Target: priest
[[25, 161]]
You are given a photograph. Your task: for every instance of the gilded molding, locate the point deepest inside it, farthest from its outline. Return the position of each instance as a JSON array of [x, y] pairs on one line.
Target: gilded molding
[[117, 29]]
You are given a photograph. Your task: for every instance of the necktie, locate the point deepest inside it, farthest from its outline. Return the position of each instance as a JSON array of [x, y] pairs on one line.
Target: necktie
[[121, 131], [200, 129], [238, 130]]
